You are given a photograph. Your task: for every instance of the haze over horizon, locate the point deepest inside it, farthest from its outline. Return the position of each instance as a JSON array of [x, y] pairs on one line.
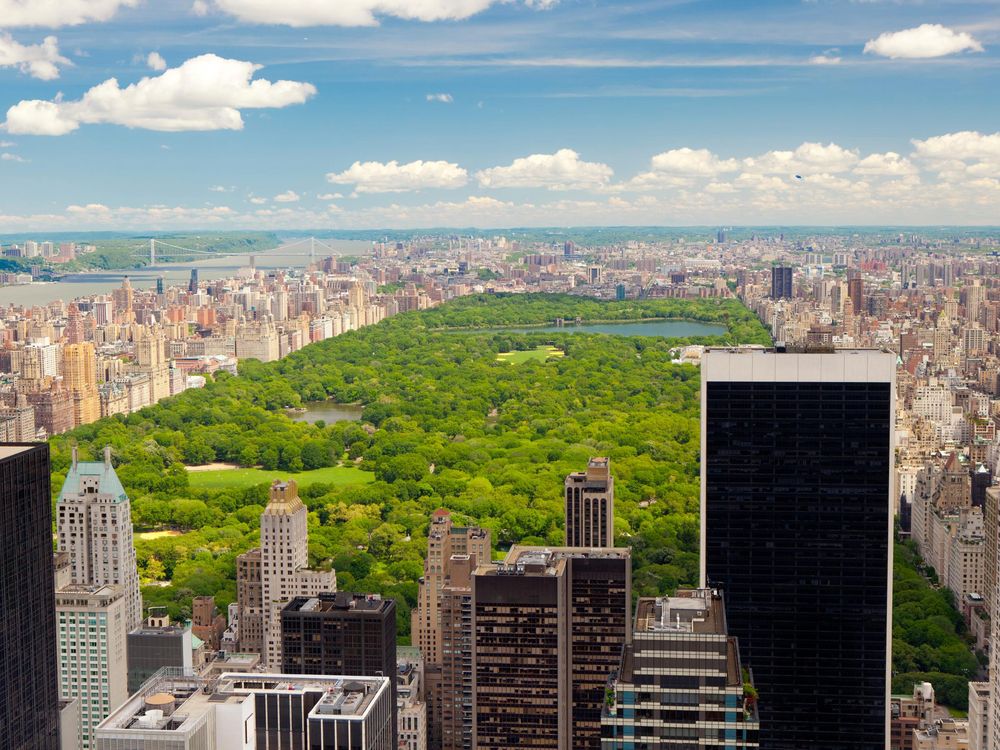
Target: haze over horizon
[[242, 114]]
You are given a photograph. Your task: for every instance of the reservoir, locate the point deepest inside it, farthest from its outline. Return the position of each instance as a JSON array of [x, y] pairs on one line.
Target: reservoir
[[76, 285], [665, 328]]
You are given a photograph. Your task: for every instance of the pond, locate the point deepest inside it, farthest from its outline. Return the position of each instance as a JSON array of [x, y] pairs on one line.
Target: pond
[[328, 411], [666, 328]]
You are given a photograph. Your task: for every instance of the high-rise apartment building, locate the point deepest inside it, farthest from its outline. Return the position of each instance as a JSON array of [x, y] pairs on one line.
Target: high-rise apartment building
[[93, 666], [283, 571], [549, 626], [590, 506], [680, 682], [781, 282], [796, 508], [445, 543], [453, 675], [411, 710], [29, 693], [251, 711], [80, 377], [340, 633], [94, 527]]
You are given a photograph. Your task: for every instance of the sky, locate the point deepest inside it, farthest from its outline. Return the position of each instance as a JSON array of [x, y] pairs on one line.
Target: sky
[[256, 114]]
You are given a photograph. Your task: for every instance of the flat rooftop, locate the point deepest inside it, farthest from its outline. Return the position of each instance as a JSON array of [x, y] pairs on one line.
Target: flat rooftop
[[689, 611], [523, 560], [186, 698], [13, 449], [339, 601]]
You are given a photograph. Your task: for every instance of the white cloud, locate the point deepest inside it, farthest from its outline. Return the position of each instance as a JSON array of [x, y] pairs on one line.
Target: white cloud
[[329, 196], [825, 59], [887, 164], [7, 144], [204, 93], [156, 62], [393, 177], [13, 157], [563, 170], [442, 98], [220, 189], [199, 8], [55, 13], [809, 158], [289, 196], [38, 60], [965, 145], [925, 41], [353, 12], [677, 167], [257, 200]]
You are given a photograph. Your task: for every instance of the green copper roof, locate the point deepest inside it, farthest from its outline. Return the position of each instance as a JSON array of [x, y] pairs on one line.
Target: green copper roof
[[108, 484]]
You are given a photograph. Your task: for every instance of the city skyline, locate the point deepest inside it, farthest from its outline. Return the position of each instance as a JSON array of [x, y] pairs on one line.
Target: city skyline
[[227, 114]]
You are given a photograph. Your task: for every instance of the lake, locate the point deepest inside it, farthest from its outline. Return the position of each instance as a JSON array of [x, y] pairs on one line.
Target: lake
[[666, 328], [328, 411]]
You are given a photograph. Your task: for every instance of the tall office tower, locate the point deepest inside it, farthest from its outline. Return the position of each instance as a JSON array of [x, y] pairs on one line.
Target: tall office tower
[[340, 633], [252, 711], [856, 292], [283, 570], [796, 509], [92, 642], [29, 707], [590, 506], [159, 285], [193, 283], [680, 682], [94, 526], [444, 541], [154, 645], [549, 626], [781, 282]]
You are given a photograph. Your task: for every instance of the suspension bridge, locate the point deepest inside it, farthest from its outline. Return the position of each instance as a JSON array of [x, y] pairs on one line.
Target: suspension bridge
[[165, 252]]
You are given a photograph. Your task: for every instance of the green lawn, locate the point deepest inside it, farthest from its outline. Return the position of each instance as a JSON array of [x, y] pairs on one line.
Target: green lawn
[[538, 354], [224, 478]]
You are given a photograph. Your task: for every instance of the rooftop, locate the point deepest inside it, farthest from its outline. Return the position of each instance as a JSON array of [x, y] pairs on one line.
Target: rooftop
[[13, 449], [689, 611], [340, 600], [523, 560], [172, 701], [97, 474]]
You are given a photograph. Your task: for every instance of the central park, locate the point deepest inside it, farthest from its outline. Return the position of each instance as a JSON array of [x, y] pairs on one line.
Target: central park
[[486, 423]]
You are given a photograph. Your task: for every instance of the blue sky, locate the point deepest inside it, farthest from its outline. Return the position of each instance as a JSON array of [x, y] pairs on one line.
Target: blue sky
[[399, 113]]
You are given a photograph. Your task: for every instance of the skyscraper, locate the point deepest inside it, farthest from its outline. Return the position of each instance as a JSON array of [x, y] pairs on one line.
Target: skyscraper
[[193, 283], [781, 282], [447, 543], [283, 569], [94, 526], [340, 633], [549, 627], [797, 457], [590, 506], [29, 693], [680, 679]]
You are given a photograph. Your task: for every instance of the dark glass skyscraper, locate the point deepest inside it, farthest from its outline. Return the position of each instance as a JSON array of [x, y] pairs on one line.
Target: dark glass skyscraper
[[29, 682], [796, 528], [781, 282]]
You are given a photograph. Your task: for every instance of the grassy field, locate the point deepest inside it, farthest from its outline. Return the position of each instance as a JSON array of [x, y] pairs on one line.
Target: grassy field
[[147, 535], [538, 354], [216, 480]]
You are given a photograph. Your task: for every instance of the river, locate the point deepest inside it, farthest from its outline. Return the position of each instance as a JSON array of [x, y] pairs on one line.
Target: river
[[76, 285]]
